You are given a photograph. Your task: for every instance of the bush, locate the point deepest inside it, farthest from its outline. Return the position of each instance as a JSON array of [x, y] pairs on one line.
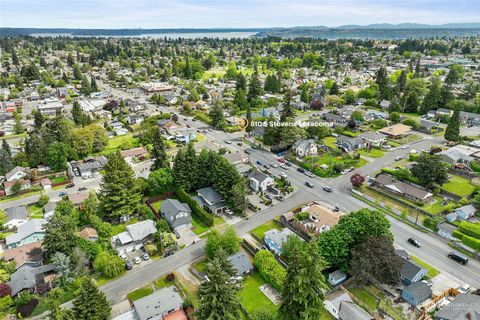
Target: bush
[[471, 242], [108, 264], [470, 229], [5, 290], [170, 277], [270, 270], [457, 234], [27, 309], [432, 222], [204, 216]]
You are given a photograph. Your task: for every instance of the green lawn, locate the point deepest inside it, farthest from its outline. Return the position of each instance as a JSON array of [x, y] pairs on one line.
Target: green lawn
[[366, 297], [121, 143], [34, 208], [59, 179], [119, 228], [431, 271], [330, 142], [199, 227], [373, 153], [162, 283], [140, 293], [459, 186], [252, 298], [260, 230], [435, 207], [200, 265], [313, 164]]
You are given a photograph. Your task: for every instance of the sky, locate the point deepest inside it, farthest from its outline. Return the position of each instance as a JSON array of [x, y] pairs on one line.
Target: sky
[[114, 14]]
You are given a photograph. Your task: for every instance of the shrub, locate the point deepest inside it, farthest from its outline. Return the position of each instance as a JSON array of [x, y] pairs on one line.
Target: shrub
[[27, 309], [457, 234], [470, 229], [170, 277], [204, 216], [471, 242], [270, 270], [5, 290]]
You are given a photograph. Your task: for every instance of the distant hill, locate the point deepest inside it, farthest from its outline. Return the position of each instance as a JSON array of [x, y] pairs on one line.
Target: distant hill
[[374, 31]]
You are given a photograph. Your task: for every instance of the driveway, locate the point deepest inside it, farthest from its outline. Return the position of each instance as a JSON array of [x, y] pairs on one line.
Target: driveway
[[187, 237]]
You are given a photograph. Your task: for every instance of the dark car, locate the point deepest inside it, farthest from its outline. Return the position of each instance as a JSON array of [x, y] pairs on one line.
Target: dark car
[[309, 184], [128, 265], [240, 144], [247, 151], [70, 185], [259, 162], [288, 163], [82, 188], [301, 170], [327, 188], [335, 209], [460, 258], [414, 242]]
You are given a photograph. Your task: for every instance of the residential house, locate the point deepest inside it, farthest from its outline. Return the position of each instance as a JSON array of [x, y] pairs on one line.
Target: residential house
[[31, 278], [336, 119], [30, 231], [49, 210], [446, 229], [465, 306], [469, 118], [337, 277], [8, 186], [384, 104], [320, 218], [88, 233], [444, 112], [134, 237], [375, 114], [133, 119], [50, 109], [411, 272], [209, 199], [241, 264], [135, 153], [396, 131], [77, 198], [16, 216], [305, 148], [87, 168], [349, 144], [457, 154], [403, 189], [402, 254], [341, 306], [46, 184], [259, 181], [31, 253], [16, 173], [186, 136], [465, 212], [417, 293], [427, 126], [372, 138], [158, 304], [176, 315], [274, 239], [177, 214]]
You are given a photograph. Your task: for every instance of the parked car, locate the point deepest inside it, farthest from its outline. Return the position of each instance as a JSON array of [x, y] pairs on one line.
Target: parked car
[[348, 170], [283, 166], [240, 144], [309, 184], [228, 141], [259, 162], [460, 258], [228, 211], [137, 260], [70, 185], [124, 256], [413, 151], [82, 188], [266, 166], [283, 175], [281, 160], [268, 196], [327, 188], [145, 256], [128, 265], [62, 194], [335, 209], [247, 151], [398, 158], [273, 165], [301, 170], [309, 174], [279, 197], [405, 146], [414, 242], [288, 163]]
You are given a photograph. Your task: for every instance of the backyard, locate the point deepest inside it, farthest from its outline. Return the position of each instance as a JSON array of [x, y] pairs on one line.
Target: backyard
[[459, 186], [252, 298], [374, 298]]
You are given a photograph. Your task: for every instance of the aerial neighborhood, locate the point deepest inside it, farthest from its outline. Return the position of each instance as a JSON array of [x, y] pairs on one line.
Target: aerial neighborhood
[[259, 177]]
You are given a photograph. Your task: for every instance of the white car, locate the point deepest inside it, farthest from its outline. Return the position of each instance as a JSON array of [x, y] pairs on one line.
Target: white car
[[228, 141], [283, 175], [347, 170], [145, 256], [137, 260], [406, 146], [123, 256], [284, 166], [274, 165], [228, 211], [413, 151]]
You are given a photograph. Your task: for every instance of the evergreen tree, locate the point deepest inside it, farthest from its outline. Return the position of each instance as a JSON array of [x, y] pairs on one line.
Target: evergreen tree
[[217, 116], [401, 82], [395, 105], [254, 88], [433, 98], [381, 79], [159, 153], [86, 89], [5, 162], [184, 170], [218, 295], [288, 110], [77, 73], [93, 84], [240, 99], [446, 95], [452, 132], [249, 118], [305, 94], [91, 303], [187, 71], [412, 102], [38, 120], [119, 194], [6, 147], [241, 82], [302, 296]]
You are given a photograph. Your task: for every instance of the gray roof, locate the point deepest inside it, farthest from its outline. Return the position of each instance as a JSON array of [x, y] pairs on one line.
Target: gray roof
[[16, 213], [24, 277], [303, 144], [14, 171], [158, 303], [410, 269], [240, 263], [371, 136], [279, 237], [419, 290], [210, 194], [351, 311], [49, 207], [25, 230], [447, 227], [460, 307], [259, 176], [140, 230], [337, 275], [427, 124], [402, 187], [170, 208], [468, 209], [455, 154]]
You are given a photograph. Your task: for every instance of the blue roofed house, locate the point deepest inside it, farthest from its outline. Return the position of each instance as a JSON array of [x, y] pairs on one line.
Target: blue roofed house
[[31, 231], [209, 199], [177, 214], [241, 264], [417, 293], [275, 239], [411, 272], [465, 212]]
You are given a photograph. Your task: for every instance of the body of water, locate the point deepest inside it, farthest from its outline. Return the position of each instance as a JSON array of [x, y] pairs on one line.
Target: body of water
[[174, 35]]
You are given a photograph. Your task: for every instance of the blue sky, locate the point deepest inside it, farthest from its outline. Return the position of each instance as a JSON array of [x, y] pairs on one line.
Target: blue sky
[[112, 14]]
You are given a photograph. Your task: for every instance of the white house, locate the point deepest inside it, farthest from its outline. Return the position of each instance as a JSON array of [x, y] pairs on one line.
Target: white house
[[260, 181], [16, 173], [16, 216], [305, 148]]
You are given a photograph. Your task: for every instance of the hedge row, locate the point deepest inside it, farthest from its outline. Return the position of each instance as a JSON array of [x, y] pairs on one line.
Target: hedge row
[[458, 234], [204, 216], [270, 270], [470, 229], [472, 243]]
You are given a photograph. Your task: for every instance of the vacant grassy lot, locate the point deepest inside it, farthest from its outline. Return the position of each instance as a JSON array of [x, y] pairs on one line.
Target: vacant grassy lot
[[121, 143], [459, 185], [373, 153]]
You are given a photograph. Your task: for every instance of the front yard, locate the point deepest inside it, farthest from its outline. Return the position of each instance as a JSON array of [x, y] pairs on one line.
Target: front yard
[[372, 153], [431, 271], [323, 165], [260, 230]]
